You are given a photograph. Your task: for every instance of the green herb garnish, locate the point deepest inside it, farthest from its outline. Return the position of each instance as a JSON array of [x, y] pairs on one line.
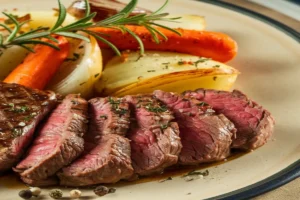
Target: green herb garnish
[[158, 109], [181, 62], [116, 106], [103, 116], [201, 60], [202, 104], [117, 21], [164, 126], [16, 132], [194, 172]]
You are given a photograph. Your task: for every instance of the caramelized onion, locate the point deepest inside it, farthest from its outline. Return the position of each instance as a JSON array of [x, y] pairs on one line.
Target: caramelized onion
[[103, 8]]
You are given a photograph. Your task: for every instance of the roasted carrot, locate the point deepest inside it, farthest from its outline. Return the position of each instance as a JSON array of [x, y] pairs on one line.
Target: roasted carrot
[[217, 46], [39, 67]]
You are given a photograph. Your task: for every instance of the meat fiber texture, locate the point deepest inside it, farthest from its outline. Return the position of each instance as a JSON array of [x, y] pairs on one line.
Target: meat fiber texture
[[107, 152], [254, 124], [205, 135], [21, 109], [155, 142], [59, 141]]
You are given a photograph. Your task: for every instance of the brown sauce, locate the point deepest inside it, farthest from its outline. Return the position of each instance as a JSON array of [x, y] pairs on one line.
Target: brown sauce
[[176, 171], [11, 181]]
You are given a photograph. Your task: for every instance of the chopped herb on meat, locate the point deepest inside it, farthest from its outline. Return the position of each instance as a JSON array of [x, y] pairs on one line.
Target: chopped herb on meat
[[202, 104], [121, 111], [158, 109], [18, 109], [28, 118], [74, 102], [16, 132], [164, 126], [103, 116], [115, 106]]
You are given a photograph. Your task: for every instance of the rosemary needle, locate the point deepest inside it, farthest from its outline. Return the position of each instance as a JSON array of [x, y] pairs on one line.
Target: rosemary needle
[[118, 21]]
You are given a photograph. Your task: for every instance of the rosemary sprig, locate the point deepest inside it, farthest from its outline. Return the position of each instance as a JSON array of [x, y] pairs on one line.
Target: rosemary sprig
[[118, 21]]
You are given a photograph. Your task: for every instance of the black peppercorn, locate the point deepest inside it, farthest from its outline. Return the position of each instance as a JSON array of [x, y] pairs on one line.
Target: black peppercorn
[[112, 190], [25, 194], [101, 190], [56, 194]]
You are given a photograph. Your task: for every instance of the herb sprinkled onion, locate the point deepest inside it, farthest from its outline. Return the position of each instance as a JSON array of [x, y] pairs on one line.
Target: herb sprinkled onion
[[80, 71]]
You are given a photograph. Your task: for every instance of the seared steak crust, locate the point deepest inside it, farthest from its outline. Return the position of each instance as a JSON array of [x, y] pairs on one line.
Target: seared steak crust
[[154, 135], [21, 109], [254, 124], [58, 143], [205, 136], [106, 158]]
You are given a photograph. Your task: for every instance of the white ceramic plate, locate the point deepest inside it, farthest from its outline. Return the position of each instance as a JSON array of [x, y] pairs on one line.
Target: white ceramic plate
[[269, 59]]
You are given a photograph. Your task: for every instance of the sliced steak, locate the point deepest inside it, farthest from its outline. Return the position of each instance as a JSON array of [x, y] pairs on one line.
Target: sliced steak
[[58, 143], [254, 124], [108, 162], [21, 109], [205, 136], [155, 142], [107, 152]]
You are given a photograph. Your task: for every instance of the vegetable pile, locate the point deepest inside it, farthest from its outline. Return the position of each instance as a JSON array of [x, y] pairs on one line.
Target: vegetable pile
[[122, 50]]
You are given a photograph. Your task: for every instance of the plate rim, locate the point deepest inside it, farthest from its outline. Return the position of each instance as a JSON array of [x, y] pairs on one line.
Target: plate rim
[[289, 173], [250, 13]]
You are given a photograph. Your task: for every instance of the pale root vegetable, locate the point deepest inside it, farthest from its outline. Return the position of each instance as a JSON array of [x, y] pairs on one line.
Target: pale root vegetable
[[168, 71], [39, 67], [188, 22], [15, 55], [217, 46], [44, 18], [10, 59], [80, 71]]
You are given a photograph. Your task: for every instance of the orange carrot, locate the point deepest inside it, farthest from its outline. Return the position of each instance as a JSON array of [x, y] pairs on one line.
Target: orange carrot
[[39, 67], [217, 46]]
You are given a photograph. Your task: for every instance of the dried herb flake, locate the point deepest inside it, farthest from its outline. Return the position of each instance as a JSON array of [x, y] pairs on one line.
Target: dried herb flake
[[194, 172], [167, 179]]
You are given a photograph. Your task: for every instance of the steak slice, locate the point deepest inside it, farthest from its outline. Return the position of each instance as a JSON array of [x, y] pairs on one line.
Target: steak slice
[[254, 124], [155, 142], [108, 162], [205, 136], [58, 143], [21, 109], [107, 152]]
